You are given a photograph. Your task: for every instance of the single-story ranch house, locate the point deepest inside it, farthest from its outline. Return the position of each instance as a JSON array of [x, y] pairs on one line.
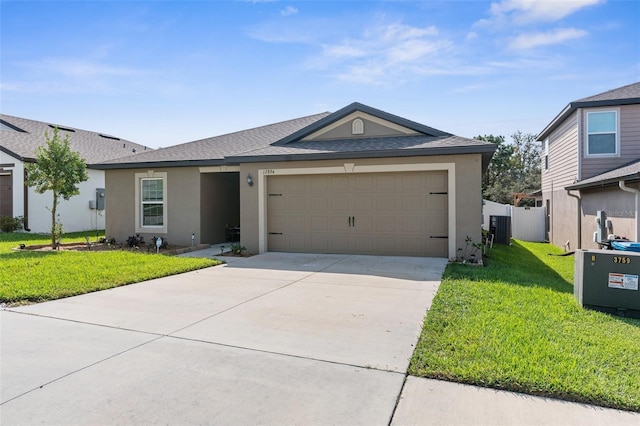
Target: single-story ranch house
[[358, 180]]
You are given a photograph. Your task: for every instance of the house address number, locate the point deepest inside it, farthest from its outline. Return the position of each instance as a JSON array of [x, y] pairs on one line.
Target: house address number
[[268, 172], [622, 259]]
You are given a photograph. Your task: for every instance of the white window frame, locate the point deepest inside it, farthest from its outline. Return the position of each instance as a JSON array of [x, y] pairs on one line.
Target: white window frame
[[139, 227], [546, 154], [617, 134]]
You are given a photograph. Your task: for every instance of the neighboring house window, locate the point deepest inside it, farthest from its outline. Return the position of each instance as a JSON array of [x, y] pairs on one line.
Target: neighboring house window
[[602, 133], [357, 127], [546, 154], [151, 202]]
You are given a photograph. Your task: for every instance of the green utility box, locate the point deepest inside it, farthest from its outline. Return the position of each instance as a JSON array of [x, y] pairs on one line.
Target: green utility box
[[607, 281]]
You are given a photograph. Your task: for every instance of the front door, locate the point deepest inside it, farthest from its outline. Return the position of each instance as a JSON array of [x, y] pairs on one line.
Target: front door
[[6, 194]]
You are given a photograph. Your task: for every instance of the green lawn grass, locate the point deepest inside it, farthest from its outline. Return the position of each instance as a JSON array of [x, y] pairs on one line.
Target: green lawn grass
[[515, 325], [28, 276]]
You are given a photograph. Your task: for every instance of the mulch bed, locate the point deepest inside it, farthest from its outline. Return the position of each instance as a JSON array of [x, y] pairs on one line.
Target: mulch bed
[[83, 246]]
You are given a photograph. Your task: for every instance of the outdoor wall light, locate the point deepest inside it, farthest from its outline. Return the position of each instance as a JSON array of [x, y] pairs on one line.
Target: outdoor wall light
[[249, 180]]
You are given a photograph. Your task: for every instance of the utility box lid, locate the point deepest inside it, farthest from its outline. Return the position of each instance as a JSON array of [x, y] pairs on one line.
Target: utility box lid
[[608, 280]]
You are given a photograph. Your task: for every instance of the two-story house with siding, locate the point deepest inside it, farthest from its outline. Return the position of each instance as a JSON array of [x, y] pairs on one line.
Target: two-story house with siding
[[591, 162]]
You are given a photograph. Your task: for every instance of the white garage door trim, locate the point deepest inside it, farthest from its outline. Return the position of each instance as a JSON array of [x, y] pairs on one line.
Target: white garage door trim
[[263, 174]]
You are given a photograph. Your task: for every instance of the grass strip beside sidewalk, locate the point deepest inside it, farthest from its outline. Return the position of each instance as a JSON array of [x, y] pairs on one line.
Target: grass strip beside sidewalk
[[515, 325]]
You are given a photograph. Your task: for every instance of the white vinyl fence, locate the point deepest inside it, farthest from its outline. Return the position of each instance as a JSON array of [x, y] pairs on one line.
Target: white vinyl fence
[[527, 223]]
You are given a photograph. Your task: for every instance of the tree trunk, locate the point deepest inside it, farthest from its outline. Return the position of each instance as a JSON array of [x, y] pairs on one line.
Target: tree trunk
[[53, 219]]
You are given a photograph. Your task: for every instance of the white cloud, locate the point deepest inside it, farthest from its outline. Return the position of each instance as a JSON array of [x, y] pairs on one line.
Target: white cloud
[[529, 41], [382, 53], [288, 11], [526, 11], [396, 32], [343, 51], [77, 68]]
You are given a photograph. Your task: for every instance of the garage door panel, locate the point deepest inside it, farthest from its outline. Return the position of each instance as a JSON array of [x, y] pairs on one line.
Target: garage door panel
[[320, 223], [338, 183], [386, 203], [385, 182], [320, 203], [297, 203], [363, 203], [378, 213]]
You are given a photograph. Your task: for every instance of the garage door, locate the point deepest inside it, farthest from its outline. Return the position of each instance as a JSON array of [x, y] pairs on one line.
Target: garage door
[[403, 214]]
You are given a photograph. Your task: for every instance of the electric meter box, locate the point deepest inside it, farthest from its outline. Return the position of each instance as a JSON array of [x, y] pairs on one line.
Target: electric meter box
[[607, 281]]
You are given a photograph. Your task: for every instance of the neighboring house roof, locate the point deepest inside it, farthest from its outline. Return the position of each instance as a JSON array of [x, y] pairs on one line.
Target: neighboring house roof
[[212, 151], [625, 95], [284, 141], [630, 172], [20, 137]]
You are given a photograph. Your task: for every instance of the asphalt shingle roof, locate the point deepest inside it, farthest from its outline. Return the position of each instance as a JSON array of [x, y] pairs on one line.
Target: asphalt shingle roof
[[93, 147], [629, 91], [625, 95], [214, 150], [628, 172], [379, 145], [281, 141]]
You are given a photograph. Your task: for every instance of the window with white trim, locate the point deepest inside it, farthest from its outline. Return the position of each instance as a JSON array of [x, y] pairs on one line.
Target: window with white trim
[[546, 154], [152, 199], [151, 202], [602, 133]]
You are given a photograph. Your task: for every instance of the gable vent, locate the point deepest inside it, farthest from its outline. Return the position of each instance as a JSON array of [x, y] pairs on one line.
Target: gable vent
[[66, 129], [357, 127], [109, 137]]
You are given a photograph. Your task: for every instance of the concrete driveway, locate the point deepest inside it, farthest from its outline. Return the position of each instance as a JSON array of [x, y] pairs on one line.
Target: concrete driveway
[[272, 339]]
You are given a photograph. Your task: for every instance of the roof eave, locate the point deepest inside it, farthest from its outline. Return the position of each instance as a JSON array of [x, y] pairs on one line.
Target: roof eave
[[604, 183], [485, 150], [158, 164]]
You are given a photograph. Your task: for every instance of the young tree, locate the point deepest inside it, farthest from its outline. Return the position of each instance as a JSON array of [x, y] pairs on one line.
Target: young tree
[[57, 169]]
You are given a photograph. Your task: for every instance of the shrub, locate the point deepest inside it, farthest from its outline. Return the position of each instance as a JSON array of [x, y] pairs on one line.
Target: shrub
[[11, 224]]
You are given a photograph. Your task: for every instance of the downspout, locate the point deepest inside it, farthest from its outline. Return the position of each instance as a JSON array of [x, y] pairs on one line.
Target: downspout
[[579, 218], [26, 202], [624, 187]]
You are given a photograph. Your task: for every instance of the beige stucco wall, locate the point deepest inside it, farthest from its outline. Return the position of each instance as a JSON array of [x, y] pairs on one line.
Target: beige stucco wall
[[467, 180], [619, 207], [183, 204], [563, 217]]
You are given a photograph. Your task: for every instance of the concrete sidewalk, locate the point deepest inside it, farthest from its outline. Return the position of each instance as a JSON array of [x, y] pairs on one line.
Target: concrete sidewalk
[[271, 339]]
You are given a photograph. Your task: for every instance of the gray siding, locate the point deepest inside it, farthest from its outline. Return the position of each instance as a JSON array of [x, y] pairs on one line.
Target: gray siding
[[563, 156], [629, 120]]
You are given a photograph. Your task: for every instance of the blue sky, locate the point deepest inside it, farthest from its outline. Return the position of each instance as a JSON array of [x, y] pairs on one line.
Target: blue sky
[[161, 73]]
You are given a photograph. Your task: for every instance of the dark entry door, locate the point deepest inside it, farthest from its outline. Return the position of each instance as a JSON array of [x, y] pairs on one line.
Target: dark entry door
[[6, 194]]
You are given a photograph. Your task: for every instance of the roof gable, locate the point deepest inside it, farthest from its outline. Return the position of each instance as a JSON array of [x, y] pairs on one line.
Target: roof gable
[[338, 125]]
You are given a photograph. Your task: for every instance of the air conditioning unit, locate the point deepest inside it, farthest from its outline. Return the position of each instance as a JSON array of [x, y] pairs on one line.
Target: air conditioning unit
[[607, 281]]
